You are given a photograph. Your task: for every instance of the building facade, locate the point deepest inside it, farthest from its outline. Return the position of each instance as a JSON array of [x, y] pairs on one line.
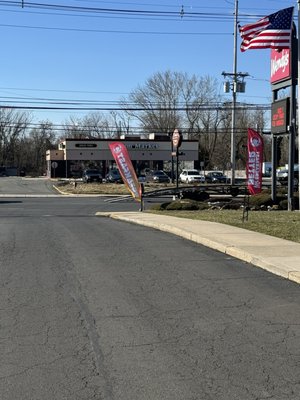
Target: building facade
[[74, 155]]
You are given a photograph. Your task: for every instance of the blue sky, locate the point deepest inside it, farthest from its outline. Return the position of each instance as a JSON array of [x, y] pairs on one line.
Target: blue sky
[[71, 55]]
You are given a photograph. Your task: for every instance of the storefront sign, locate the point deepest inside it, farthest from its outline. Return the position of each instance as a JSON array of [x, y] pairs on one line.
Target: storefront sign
[[86, 145], [280, 65], [142, 146]]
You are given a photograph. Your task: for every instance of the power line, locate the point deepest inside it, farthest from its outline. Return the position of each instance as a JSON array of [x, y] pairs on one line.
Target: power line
[[208, 18], [61, 90], [133, 129], [125, 11], [116, 31], [215, 107], [41, 100], [101, 10]]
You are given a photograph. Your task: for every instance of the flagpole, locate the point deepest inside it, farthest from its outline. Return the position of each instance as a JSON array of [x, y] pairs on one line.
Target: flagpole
[[233, 117], [298, 100]]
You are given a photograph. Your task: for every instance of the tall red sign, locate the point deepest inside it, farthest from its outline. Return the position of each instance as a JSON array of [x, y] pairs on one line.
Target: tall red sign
[[280, 65], [121, 156], [254, 162]]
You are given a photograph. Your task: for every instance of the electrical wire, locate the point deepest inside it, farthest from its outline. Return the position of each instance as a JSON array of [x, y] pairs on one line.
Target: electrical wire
[[136, 109], [125, 11], [133, 129], [41, 100], [89, 105], [62, 90], [117, 31]]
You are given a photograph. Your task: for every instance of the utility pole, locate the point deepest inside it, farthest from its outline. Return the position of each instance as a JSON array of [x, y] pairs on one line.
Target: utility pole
[[233, 118], [298, 99], [236, 84]]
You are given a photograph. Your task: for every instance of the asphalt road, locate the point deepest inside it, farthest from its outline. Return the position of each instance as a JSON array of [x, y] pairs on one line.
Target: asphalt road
[[93, 308]]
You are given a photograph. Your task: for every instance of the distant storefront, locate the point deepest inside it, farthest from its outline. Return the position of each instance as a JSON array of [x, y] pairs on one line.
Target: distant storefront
[[74, 155]]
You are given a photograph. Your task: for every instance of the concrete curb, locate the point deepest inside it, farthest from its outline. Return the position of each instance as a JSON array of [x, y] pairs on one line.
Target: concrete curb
[[278, 256]]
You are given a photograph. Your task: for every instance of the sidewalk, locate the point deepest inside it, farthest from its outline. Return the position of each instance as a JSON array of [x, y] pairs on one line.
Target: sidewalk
[[279, 256]]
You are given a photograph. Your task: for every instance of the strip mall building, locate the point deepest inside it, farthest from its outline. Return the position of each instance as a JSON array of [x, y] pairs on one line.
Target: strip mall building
[[74, 155]]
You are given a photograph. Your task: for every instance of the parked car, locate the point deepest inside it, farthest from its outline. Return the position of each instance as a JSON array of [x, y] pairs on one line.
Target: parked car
[[76, 174], [283, 174], [142, 178], [216, 177], [158, 177], [191, 176], [3, 171], [92, 175], [114, 176]]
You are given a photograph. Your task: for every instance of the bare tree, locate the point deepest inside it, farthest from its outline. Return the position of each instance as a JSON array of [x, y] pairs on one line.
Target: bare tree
[[204, 116], [13, 125], [94, 125], [172, 100], [122, 123], [40, 139], [97, 125], [155, 104], [73, 128]]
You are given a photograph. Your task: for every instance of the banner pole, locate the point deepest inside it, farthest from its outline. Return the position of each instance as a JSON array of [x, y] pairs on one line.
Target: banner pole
[[298, 100], [142, 197]]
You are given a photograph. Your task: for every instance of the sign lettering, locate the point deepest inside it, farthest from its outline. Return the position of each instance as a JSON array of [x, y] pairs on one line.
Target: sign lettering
[[280, 65]]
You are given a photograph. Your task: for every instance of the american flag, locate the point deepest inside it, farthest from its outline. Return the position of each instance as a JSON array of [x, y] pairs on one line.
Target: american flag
[[273, 31]]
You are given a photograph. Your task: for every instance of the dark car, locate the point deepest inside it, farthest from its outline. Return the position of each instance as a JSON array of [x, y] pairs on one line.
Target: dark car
[[92, 175], [216, 177], [114, 176], [158, 177], [3, 171]]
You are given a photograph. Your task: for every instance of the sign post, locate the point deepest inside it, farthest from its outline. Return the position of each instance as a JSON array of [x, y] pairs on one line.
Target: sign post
[[284, 75], [177, 140], [54, 165]]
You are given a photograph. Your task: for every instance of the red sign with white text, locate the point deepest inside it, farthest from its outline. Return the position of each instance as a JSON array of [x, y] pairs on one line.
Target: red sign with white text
[[280, 65], [121, 156], [254, 162], [280, 116]]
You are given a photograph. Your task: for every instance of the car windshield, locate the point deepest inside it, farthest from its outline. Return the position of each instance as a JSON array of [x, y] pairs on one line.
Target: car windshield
[[159, 173], [93, 171], [115, 172], [193, 173], [217, 174]]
